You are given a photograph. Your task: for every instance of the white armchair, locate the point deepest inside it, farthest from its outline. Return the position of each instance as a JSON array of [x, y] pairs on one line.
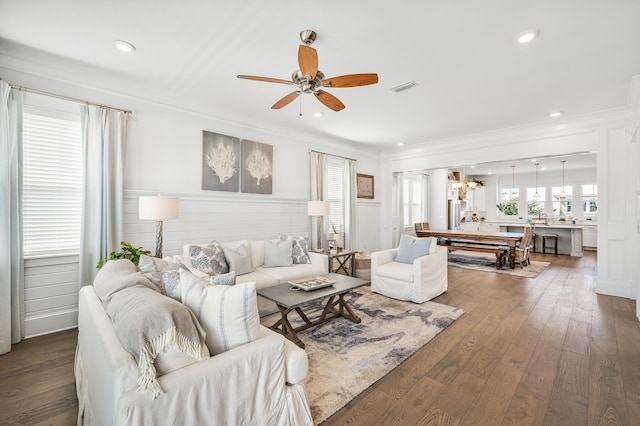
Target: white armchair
[[423, 280]]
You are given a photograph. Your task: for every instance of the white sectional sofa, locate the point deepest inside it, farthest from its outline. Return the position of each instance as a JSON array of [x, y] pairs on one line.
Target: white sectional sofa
[[267, 277], [259, 382]]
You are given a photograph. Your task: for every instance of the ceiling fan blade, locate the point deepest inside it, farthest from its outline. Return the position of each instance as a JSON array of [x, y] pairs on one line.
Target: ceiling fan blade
[[308, 61], [267, 79], [286, 100], [329, 100], [351, 80]]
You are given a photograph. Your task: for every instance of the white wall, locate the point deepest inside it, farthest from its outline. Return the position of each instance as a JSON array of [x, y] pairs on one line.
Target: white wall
[[164, 155]]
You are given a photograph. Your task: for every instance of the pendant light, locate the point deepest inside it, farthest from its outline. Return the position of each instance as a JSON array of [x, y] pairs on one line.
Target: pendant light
[[513, 180], [563, 194], [536, 196]]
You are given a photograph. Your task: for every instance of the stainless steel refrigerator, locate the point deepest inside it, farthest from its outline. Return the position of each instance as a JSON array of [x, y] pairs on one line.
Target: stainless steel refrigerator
[[455, 210]]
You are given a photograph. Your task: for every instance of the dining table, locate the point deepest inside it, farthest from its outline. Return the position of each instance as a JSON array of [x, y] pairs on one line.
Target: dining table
[[448, 236]]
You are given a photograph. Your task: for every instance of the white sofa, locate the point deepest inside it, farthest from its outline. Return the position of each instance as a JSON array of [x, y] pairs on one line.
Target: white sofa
[[267, 277], [423, 280], [254, 384]]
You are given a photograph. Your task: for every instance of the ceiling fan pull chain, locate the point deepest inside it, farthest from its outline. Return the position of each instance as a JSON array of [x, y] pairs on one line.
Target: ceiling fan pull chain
[[300, 113]]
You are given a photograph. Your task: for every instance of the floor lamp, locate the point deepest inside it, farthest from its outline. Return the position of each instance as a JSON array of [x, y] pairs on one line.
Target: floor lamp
[[318, 209], [158, 209]]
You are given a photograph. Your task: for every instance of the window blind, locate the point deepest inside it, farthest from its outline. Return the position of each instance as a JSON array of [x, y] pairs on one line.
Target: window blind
[[52, 184], [335, 197]]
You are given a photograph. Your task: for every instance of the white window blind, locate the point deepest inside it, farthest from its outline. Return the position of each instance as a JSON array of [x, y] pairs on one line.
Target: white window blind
[[335, 197], [52, 186]]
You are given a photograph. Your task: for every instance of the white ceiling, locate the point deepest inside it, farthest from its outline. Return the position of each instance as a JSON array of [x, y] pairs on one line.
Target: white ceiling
[[472, 75]]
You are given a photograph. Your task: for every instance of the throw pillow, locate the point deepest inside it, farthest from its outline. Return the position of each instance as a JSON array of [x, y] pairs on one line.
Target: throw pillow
[[278, 253], [239, 259], [411, 248], [223, 279], [207, 258], [300, 248], [163, 273], [228, 314], [432, 245]]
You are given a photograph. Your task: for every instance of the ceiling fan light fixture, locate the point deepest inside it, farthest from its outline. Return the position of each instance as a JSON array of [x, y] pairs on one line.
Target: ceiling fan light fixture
[[527, 36], [125, 46]]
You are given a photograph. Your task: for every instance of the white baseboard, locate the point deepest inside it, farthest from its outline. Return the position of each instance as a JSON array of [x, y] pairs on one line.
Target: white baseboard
[[50, 323]]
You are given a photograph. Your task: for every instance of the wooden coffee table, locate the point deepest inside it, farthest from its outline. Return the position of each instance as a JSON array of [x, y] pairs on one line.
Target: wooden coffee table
[[289, 300]]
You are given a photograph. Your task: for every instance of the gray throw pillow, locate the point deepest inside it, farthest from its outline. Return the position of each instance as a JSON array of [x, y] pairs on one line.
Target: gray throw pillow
[[239, 260], [277, 254], [224, 279], [207, 258], [299, 249], [411, 248]]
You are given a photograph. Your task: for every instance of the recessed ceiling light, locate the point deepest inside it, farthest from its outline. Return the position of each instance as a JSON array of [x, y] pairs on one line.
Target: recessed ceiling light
[[125, 46], [400, 143], [555, 114], [473, 166], [317, 114], [527, 36]]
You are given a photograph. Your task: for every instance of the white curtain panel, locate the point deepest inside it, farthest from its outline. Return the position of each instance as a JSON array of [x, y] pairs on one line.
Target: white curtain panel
[[318, 188], [398, 207], [103, 142], [11, 254], [349, 195]]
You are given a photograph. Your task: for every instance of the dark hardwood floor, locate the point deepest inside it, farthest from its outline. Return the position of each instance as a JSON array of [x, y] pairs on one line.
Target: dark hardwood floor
[[544, 351]]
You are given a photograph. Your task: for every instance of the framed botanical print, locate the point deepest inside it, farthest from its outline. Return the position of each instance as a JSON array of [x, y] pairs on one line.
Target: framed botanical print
[[365, 186]]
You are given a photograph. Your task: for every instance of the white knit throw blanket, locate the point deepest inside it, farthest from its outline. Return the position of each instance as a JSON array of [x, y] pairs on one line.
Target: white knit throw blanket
[[147, 324]]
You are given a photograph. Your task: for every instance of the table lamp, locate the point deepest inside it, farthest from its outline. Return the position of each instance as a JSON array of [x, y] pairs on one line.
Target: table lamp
[[158, 209], [318, 208]]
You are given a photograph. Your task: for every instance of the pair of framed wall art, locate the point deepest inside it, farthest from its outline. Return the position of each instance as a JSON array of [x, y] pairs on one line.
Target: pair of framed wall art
[[231, 164]]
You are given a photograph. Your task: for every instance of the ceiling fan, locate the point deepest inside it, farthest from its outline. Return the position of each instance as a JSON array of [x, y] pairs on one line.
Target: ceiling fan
[[308, 79]]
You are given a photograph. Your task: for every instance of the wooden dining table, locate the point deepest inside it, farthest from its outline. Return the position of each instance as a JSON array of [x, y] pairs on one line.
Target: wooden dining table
[[447, 236]]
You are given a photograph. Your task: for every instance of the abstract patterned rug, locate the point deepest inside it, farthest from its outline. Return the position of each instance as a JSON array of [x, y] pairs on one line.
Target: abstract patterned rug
[[346, 358], [487, 262]]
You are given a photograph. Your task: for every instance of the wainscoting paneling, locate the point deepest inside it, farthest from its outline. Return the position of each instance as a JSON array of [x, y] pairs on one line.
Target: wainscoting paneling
[[51, 294]]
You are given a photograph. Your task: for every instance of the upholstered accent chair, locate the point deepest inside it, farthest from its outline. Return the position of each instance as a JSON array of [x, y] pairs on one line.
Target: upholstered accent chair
[[417, 280]]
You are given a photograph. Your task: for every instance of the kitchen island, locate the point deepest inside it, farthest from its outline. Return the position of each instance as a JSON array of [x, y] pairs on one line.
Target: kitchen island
[[569, 236]]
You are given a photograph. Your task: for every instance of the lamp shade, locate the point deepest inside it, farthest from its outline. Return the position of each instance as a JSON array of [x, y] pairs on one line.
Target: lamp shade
[[318, 208], [158, 208]]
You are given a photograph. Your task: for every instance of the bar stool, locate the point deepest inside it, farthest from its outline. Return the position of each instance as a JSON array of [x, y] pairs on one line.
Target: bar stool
[[554, 239]]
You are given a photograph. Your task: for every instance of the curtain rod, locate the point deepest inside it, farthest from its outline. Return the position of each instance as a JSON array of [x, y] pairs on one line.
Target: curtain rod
[[333, 155], [68, 98]]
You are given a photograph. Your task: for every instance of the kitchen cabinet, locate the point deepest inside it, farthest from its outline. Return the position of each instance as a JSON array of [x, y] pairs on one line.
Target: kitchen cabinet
[[489, 227], [590, 236], [470, 226]]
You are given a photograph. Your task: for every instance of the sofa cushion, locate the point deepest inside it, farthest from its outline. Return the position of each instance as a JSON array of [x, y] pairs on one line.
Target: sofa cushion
[[277, 254], [239, 259], [300, 248], [288, 273], [260, 277], [207, 258], [229, 314], [257, 252], [411, 248], [396, 270]]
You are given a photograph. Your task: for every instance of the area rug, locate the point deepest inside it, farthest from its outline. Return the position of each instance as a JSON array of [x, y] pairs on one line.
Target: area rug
[[346, 358], [487, 263]]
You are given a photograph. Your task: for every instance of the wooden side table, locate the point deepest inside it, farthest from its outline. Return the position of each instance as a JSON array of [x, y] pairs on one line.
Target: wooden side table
[[346, 262]]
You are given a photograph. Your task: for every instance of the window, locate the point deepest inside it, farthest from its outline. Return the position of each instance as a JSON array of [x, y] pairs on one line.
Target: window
[[562, 205], [590, 199], [509, 201], [52, 170], [335, 184], [414, 204], [535, 207]]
